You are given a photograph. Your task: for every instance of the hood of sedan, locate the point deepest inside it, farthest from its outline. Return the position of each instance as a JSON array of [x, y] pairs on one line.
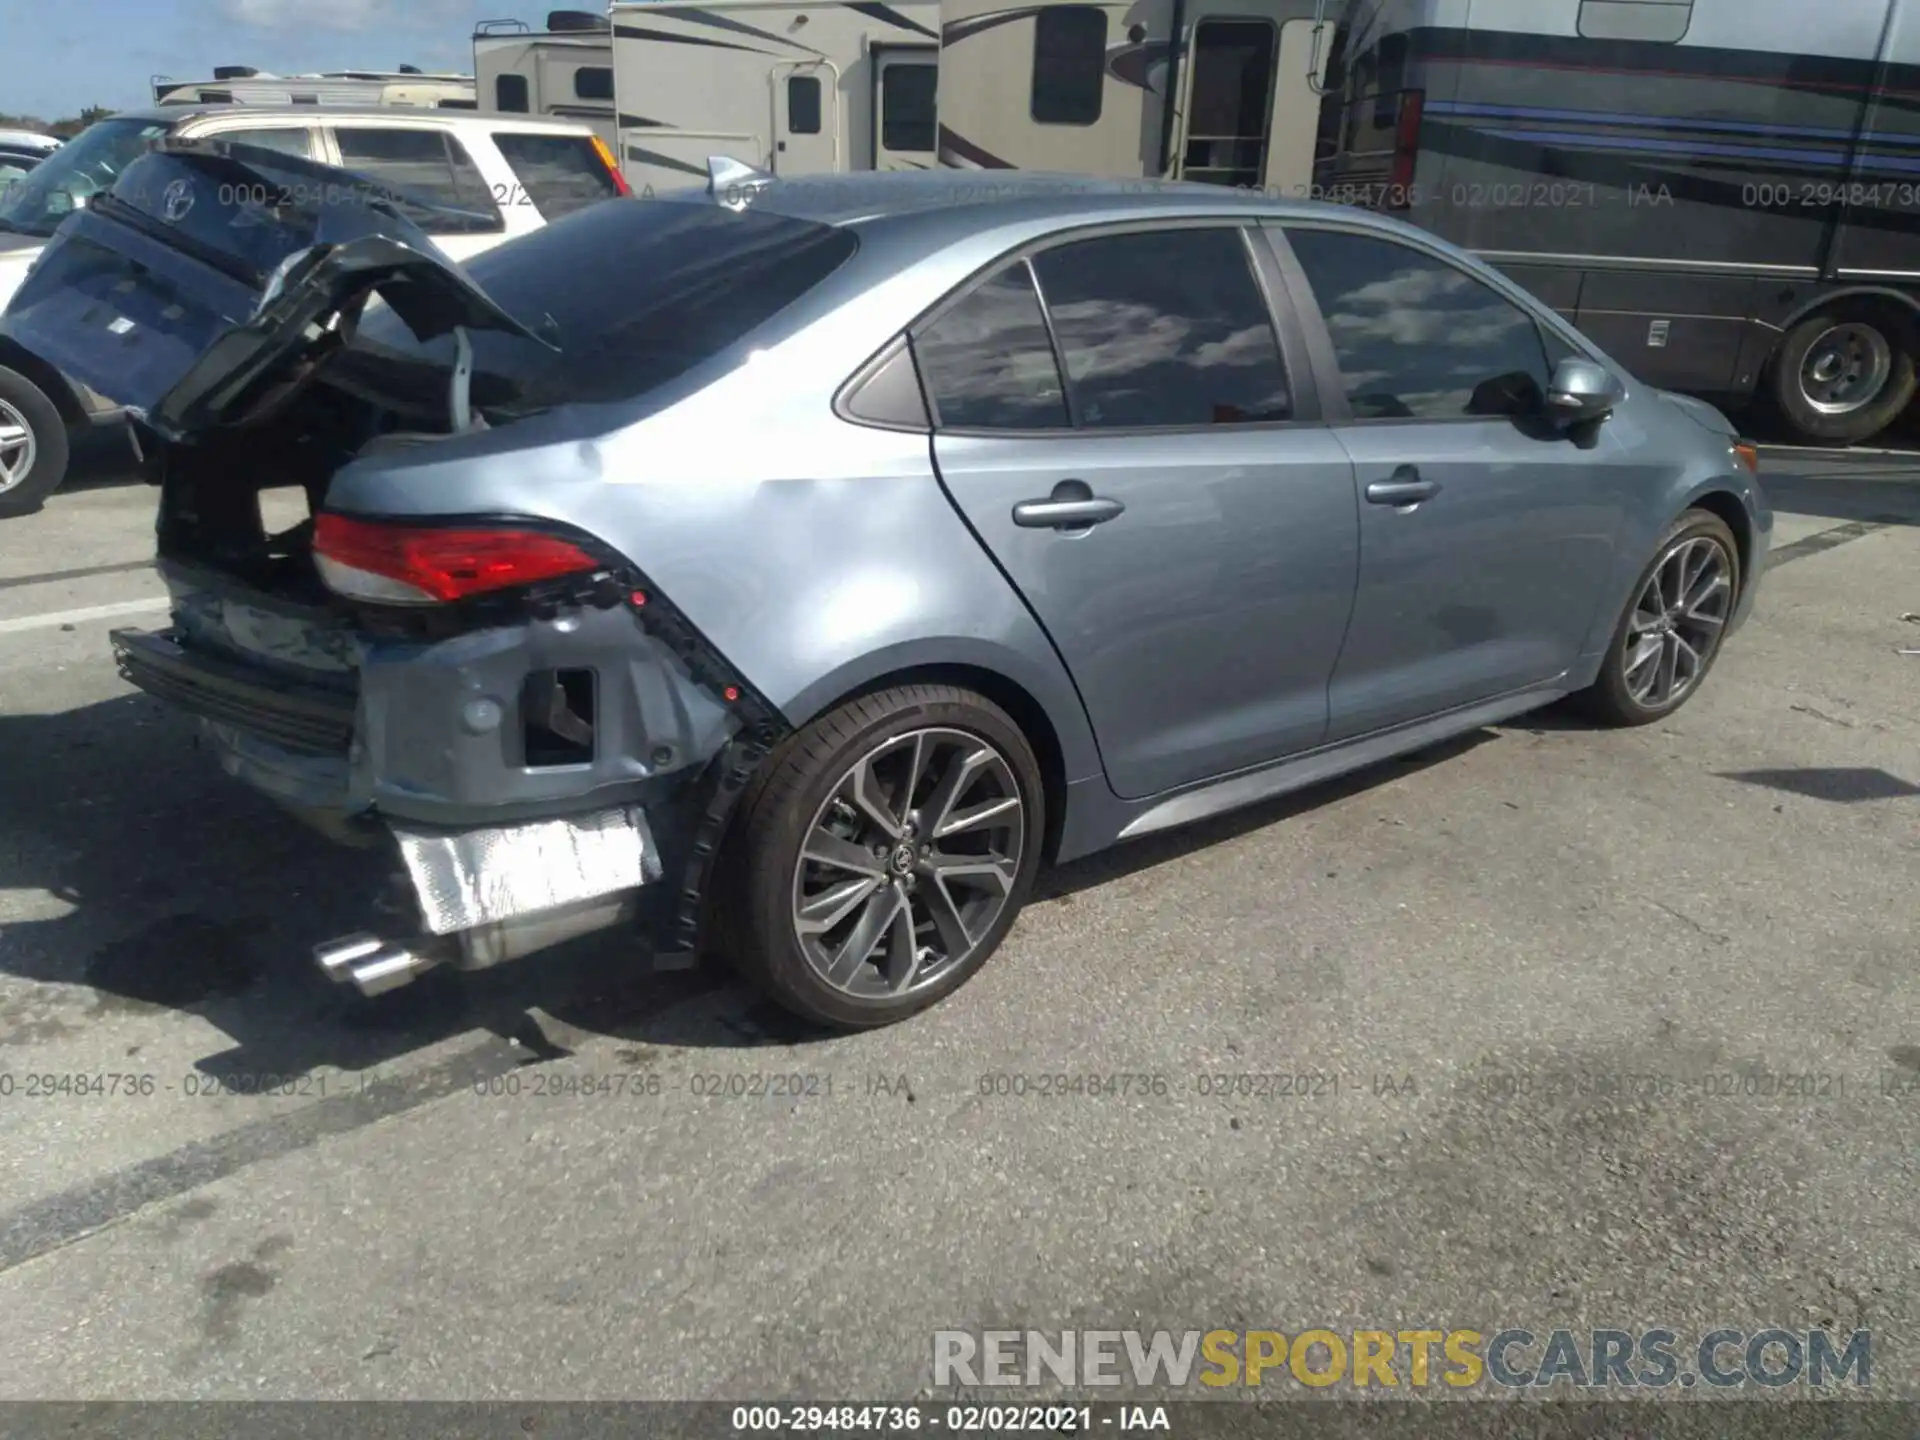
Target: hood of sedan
[[213, 280]]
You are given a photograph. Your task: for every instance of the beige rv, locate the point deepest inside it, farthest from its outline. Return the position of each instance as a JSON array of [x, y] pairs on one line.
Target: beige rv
[[1087, 88], [564, 72], [784, 86]]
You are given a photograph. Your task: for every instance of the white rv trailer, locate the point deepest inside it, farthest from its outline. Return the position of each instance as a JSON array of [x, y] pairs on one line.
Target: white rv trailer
[[786, 86], [244, 85], [564, 72], [1088, 88]]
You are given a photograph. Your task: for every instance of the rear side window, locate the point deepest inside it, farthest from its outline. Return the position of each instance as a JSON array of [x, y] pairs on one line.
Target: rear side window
[[906, 108], [286, 140], [429, 164], [593, 82], [1069, 64], [988, 364], [510, 94], [634, 295], [1164, 328], [560, 173]]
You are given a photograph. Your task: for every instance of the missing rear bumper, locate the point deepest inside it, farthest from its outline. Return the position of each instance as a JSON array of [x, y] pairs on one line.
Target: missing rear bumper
[[487, 896]]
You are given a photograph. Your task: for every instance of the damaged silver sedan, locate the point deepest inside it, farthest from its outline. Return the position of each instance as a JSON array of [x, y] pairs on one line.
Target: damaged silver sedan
[[785, 570]]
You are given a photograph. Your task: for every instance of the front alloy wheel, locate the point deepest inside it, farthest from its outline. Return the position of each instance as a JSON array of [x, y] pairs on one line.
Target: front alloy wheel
[[1673, 627], [1677, 622]]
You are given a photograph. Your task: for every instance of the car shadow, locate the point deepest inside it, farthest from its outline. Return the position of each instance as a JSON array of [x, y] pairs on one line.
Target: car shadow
[[169, 887]]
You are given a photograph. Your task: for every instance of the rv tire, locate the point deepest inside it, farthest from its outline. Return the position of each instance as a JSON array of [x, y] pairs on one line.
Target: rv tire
[[1844, 375]]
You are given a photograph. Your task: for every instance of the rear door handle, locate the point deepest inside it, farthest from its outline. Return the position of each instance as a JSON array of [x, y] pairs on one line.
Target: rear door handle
[[1066, 514], [1405, 488]]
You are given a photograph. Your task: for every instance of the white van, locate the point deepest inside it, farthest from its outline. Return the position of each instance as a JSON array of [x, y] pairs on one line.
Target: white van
[[509, 175]]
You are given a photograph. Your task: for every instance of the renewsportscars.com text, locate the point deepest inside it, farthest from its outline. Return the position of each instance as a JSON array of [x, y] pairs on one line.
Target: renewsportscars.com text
[[1653, 1359]]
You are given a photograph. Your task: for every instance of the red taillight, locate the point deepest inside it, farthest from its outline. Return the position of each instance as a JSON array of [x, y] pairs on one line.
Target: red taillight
[[1406, 150], [420, 565], [608, 159]]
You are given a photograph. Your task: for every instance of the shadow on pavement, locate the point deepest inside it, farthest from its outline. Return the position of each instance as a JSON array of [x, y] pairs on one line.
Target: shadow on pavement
[[184, 891]]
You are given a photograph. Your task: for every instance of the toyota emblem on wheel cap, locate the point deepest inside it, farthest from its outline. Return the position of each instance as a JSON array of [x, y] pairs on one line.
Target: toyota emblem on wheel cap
[[175, 201]]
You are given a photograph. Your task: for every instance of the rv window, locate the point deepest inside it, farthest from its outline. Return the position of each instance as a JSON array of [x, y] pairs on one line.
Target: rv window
[[306, 99], [906, 108], [593, 82], [1658, 20], [1392, 80], [457, 104], [216, 97], [1069, 65], [561, 173], [1419, 338], [803, 105], [428, 164], [1164, 328], [988, 364], [510, 94]]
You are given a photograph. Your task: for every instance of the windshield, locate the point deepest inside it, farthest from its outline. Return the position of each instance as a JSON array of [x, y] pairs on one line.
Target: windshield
[[85, 166]]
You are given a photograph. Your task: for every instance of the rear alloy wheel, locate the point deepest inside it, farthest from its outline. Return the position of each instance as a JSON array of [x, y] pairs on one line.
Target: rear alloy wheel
[[882, 855], [1674, 625], [1842, 377], [33, 445]]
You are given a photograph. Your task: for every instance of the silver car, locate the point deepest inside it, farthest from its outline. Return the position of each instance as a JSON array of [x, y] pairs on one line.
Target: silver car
[[787, 569]]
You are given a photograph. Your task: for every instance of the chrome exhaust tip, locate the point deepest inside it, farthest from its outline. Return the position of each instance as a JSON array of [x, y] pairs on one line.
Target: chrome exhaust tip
[[389, 970], [337, 958], [371, 965]]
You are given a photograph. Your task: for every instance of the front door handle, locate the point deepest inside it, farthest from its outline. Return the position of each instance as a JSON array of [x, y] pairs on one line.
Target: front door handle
[[1072, 506], [1405, 488]]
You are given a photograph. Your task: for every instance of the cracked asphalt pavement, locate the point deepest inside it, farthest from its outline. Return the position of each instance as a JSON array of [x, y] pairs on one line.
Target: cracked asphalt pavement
[[1596, 1029]]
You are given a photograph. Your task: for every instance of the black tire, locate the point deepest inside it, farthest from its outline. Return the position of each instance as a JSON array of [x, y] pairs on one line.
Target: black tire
[[49, 468], [1610, 699], [1807, 424], [750, 917]]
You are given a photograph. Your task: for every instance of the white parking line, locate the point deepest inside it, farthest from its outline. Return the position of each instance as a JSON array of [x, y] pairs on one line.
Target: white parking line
[[75, 617]]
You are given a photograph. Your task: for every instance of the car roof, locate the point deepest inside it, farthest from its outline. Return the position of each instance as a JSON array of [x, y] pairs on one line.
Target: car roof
[[29, 140], [972, 199], [392, 114]]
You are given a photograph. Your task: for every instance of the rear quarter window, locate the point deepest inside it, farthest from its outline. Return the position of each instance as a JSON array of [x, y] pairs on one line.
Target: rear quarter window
[[559, 173]]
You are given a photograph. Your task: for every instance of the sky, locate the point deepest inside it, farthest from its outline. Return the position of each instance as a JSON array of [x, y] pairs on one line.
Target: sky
[[58, 56]]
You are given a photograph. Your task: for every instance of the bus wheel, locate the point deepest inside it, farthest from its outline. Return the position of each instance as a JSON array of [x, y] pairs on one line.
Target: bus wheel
[[1843, 375]]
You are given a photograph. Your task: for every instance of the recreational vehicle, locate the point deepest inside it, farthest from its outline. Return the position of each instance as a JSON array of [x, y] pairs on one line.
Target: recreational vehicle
[[564, 71], [244, 85], [1725, 194], [782, 85]]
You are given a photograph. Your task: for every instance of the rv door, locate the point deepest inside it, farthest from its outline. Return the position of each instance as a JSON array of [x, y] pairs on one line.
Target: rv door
[[1293, 135], [806, 121]]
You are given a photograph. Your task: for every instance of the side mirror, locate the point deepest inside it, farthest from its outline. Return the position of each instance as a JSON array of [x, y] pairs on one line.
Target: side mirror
[[1581, 390]]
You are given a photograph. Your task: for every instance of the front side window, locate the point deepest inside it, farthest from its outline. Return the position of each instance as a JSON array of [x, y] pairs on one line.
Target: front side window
[[1164, 328], [1417, 337], [988, 364], [429, 164], [1069, 64]]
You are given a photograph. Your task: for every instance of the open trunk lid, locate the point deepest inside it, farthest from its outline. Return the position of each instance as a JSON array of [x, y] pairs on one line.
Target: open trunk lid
[[214, 280]]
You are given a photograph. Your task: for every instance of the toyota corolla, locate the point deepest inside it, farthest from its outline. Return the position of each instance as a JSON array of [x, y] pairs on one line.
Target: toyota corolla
[[787, 569]]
